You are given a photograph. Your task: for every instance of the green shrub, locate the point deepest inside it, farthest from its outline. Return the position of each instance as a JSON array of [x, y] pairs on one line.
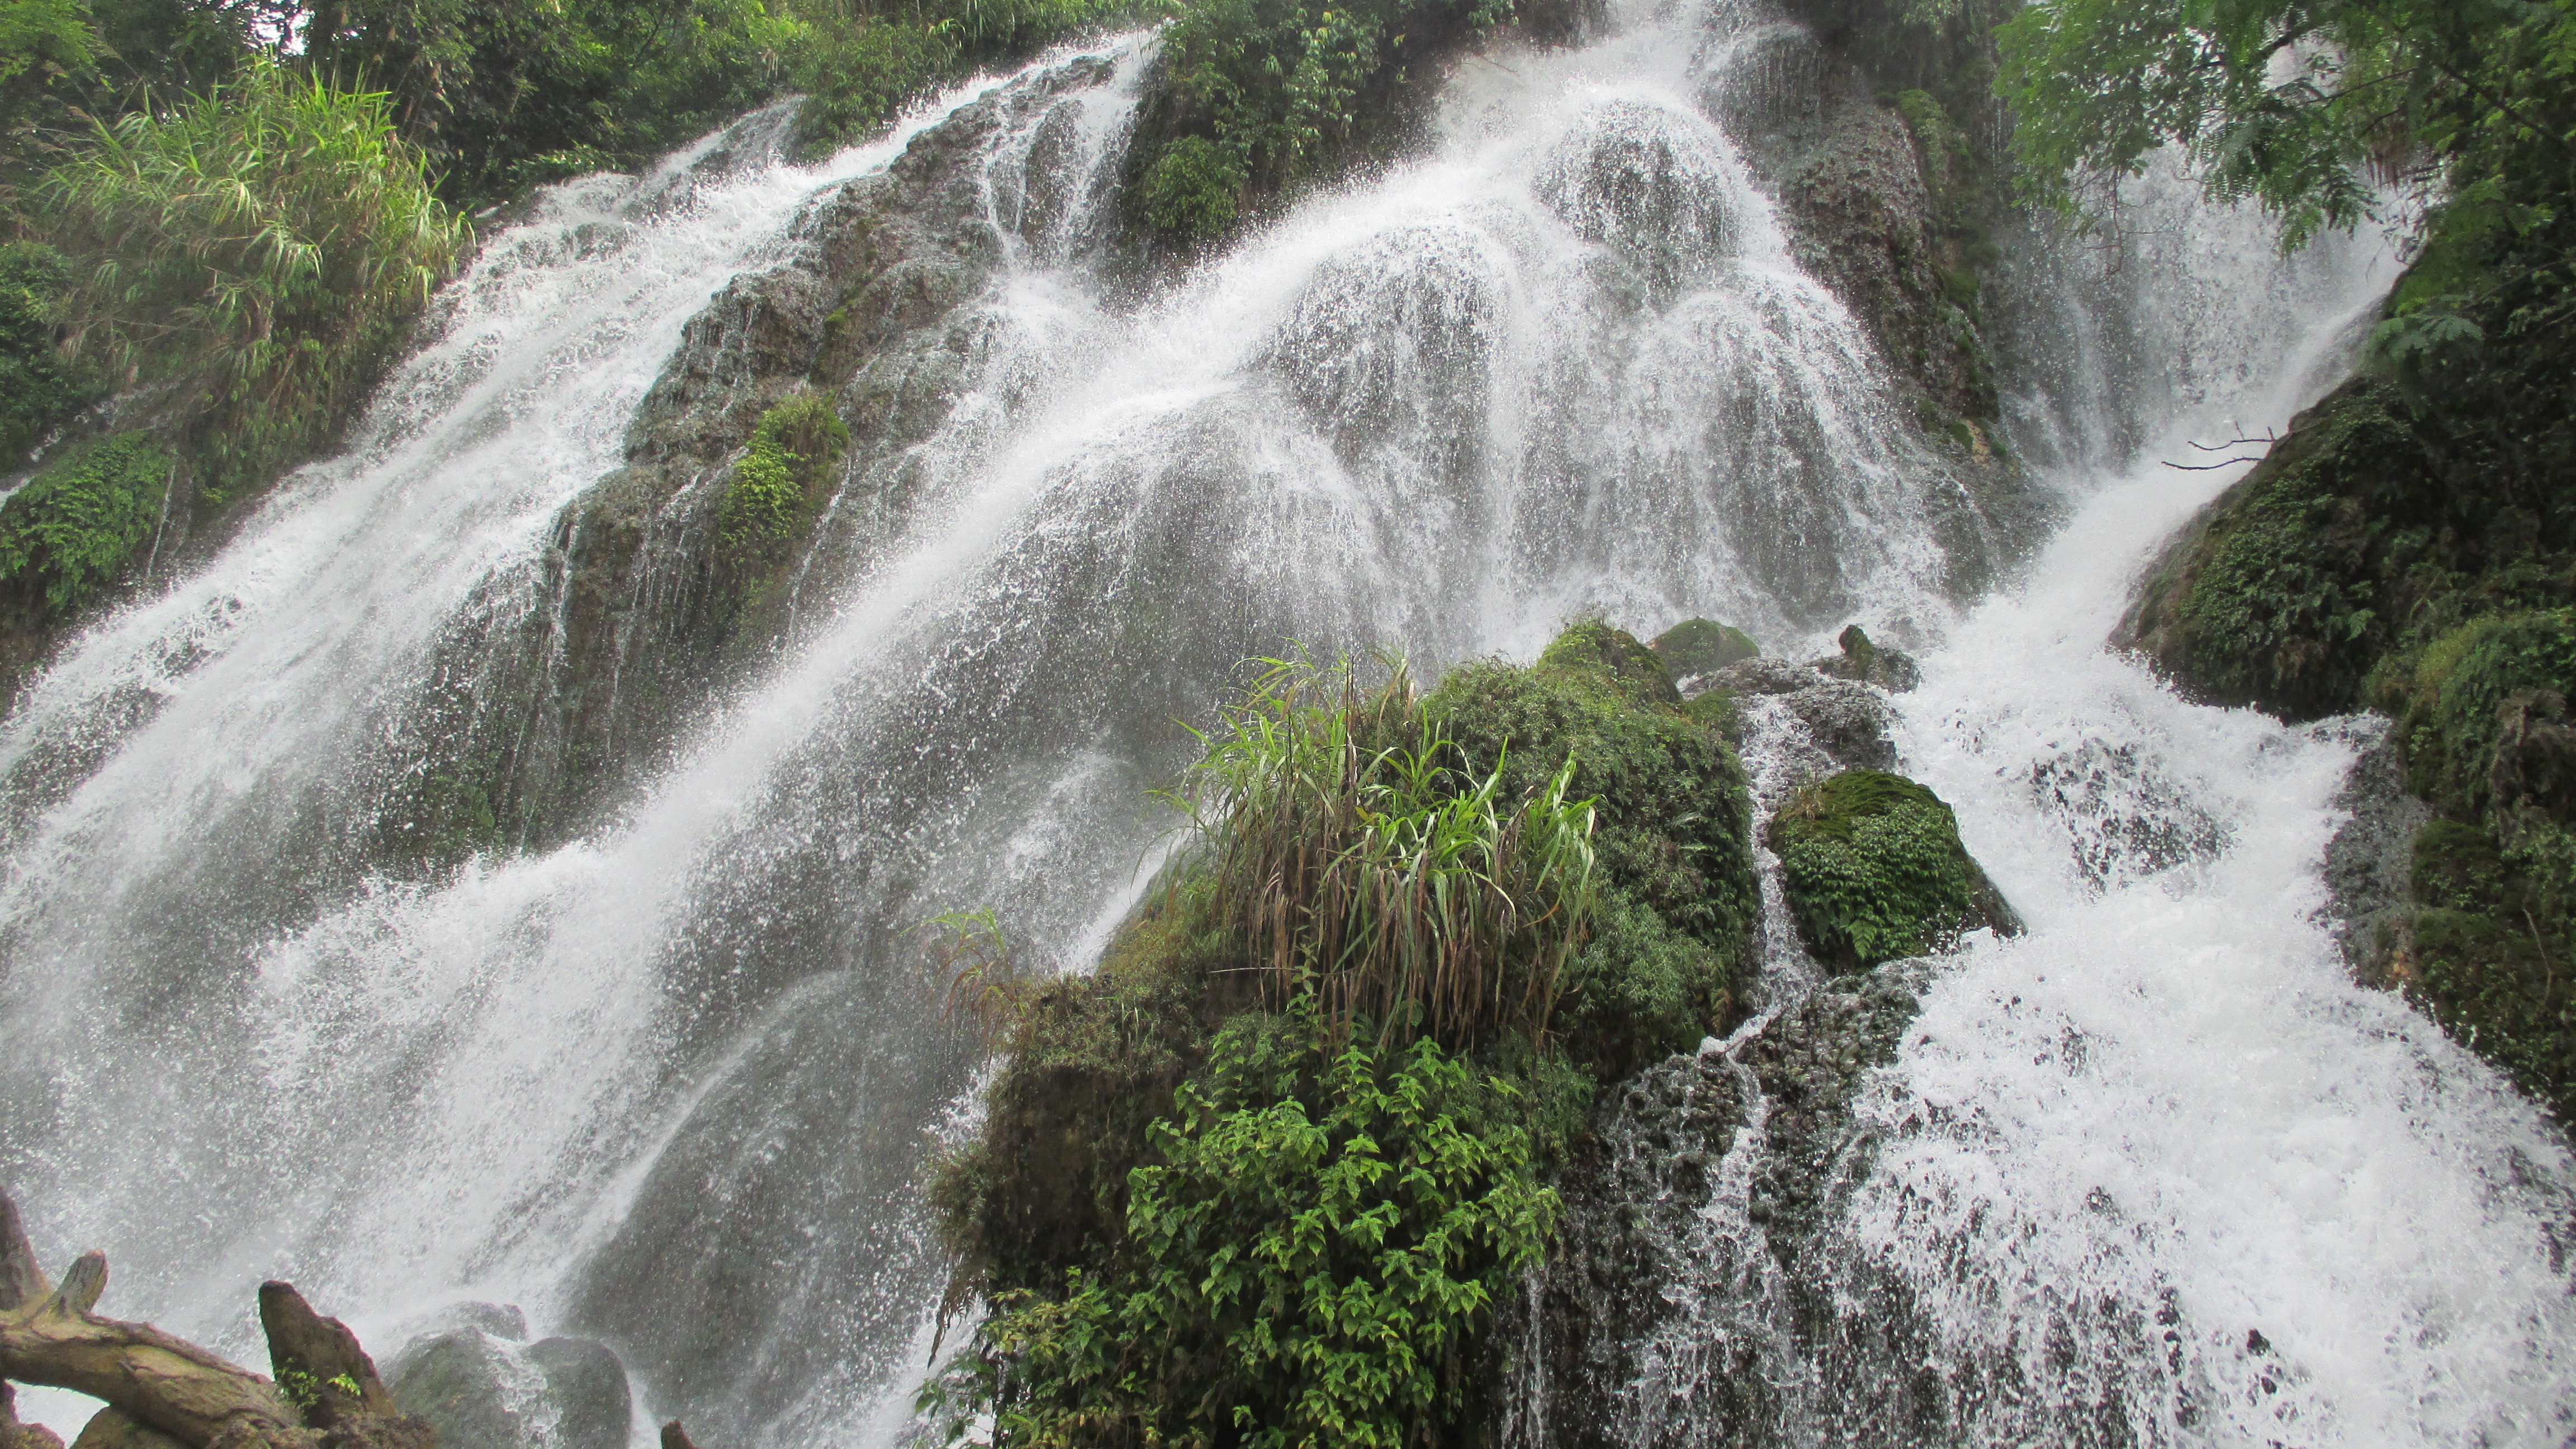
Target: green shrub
[[1195, 187], [1260, 1179], [857, 75], [2462, 679], [1255, 95], [72, 529], [1311, 1258], [1874, 871], [254, 250], [1673, 827], [37, 391], [783, 472]]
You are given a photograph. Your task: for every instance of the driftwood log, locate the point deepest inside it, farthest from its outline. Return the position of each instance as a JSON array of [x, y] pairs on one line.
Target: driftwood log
[[162, 1391]]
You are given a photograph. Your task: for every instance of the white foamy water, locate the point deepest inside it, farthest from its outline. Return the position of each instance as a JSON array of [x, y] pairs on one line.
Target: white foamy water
[[674, 1084], [2165, 1132]]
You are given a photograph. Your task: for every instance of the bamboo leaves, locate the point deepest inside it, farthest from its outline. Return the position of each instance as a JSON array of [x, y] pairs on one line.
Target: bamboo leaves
[[257, 247], [1363, 855]]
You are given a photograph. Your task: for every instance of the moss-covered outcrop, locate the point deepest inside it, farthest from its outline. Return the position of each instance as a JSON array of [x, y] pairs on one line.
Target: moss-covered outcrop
[[1874, 871], [1703, 646], [1223, 1187]]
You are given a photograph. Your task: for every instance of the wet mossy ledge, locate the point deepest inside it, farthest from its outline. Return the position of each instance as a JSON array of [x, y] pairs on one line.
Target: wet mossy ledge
[[1264, 1176], [1874, 871]]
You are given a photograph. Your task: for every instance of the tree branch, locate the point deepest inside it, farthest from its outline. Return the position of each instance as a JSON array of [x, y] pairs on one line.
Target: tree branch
[[327, 1397]]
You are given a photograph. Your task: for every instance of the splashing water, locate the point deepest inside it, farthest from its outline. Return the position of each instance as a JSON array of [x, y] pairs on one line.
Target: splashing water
[[674, 1083]]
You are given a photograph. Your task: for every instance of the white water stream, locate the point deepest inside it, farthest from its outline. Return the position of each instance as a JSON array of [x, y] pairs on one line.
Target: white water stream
[[672, 1084]]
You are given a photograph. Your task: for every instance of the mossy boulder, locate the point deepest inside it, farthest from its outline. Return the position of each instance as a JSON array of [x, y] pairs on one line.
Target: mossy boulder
[[1669, 962], [1672, 957], [1875, 871], [1863, 661], [1593, 655], [1703, 646]]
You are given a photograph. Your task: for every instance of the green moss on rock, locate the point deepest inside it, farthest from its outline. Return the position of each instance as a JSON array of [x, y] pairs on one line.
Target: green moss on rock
[[1875, 871], [783, 474], [1703, 646], [77, 524], [1593, 655], [2490, 954]]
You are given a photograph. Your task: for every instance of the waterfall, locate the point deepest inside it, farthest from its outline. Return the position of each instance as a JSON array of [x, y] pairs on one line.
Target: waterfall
[[672, 1082]]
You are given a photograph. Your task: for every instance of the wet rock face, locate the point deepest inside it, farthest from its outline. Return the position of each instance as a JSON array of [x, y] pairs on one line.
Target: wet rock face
[[1810, 1063], [482, 1389], [1630, 1199], [1847, 721], [2370, 862], [1868, 663], [1699, 1278], [873, 309]]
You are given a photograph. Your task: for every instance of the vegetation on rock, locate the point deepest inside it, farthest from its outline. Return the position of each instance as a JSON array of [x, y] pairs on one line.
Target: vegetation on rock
[[782, 474], [71, 529], [1256, 95], [38, 390], [1262, 1177], [1874, 871]]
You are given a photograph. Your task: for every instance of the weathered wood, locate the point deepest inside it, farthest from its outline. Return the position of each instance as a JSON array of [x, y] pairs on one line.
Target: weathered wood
[[22, 1281], [166, 1393]]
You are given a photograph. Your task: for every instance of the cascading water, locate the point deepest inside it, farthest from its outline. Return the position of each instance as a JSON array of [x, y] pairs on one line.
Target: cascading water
[[673, 1083]]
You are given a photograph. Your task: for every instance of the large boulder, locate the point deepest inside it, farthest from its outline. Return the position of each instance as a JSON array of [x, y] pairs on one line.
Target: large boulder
[[1703, 646], [485, 1389], [1875, 871]]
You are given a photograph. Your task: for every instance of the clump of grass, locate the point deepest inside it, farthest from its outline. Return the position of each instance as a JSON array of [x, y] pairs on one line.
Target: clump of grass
[[251, 251], [1362, 855]]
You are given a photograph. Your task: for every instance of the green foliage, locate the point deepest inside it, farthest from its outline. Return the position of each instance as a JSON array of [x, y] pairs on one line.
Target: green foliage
[[1703, 646], [2461, 683], [1874, 870], [1668, 795], [1311, 1256], [37, 389], [2296, 104], [47, 48], [1256, 95], [1222, 1202], [72, 529], [856, 75], [2492, 956], [254, 250], [1195, 188], [1365, 855], [782, 474]]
